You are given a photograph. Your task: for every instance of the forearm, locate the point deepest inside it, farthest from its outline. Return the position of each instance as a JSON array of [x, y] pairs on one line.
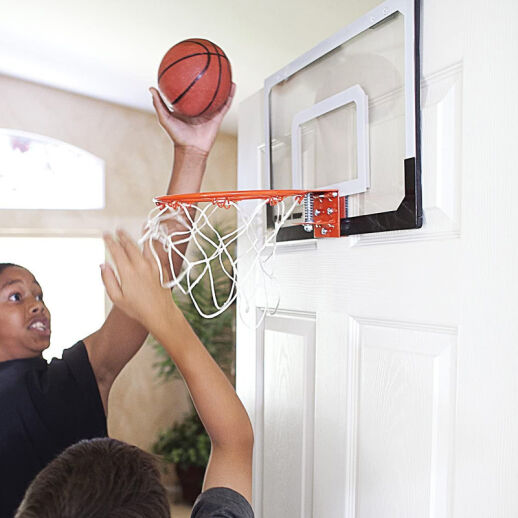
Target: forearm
[[123, 338], [111, 347], [188, 170], [216, 401]]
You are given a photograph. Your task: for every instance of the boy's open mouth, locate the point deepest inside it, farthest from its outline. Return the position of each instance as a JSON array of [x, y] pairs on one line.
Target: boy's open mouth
[[40, 325]]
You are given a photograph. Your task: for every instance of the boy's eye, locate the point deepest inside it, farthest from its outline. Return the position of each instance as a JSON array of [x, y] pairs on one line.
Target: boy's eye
[[39, 297], [15, 297]]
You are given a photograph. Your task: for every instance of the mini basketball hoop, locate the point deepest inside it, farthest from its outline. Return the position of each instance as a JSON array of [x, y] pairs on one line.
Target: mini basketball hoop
[[178, 219]]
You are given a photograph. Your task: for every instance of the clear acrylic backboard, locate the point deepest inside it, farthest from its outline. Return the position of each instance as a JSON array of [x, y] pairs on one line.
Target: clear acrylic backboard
[[345, 115]]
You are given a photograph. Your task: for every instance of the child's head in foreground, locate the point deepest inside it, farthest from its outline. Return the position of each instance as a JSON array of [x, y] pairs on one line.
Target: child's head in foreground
[[24, 318], [99, 478]]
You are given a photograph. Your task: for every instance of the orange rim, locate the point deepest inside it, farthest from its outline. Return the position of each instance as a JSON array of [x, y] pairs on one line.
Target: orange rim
[[222, 198]]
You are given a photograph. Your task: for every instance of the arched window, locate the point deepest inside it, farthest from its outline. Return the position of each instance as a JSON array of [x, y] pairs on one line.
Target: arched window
[[38, 172]]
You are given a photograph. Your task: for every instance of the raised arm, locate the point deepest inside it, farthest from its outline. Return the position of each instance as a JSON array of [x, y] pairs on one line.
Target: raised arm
[[120, 337], [140, 295], [192, 144]]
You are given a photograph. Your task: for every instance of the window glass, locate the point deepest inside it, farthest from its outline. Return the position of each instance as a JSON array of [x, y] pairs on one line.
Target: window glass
[[38, 172]]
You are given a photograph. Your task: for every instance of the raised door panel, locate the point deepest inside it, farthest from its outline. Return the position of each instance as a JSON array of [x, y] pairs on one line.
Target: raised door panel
[[285, 417], [401, 407]]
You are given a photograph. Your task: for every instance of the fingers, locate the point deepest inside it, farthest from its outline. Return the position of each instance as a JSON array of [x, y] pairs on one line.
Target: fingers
[[118, 253], [110, 282], [126, 253], [133, 284], [158, 102], [224, 109], [198, 132], [229, 100], [161, 108], [149, 256], [130, 247], [217, 117]]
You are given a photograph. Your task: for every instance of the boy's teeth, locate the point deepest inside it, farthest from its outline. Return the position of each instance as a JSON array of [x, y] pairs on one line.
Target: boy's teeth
[[38, 325]]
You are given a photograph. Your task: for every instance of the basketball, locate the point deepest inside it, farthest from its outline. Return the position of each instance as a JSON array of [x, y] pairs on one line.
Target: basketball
[[195, 77]]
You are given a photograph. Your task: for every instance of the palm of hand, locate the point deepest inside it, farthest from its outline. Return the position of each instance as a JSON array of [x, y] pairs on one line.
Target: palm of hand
[[144, 298], [138, 291], [194, 133], [198, 134]]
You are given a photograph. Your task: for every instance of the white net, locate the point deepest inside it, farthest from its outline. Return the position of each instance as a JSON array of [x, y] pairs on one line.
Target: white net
[[173, 226]]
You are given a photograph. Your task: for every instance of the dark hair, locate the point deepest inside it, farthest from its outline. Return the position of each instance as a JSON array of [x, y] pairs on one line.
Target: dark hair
[[3, 266], [98, 478]]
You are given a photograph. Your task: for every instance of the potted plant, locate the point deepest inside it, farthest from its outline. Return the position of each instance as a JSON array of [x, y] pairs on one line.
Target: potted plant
[[185, 444]]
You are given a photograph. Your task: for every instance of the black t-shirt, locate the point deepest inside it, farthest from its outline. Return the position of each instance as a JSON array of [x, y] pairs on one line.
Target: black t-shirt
[[221, 502], [44, 408]]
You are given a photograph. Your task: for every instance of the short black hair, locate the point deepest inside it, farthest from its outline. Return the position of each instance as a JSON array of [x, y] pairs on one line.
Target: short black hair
[[97, 478]]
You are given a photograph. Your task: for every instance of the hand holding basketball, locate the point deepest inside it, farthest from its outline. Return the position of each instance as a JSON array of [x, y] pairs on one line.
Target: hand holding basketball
[[195, 78], [194, 133]]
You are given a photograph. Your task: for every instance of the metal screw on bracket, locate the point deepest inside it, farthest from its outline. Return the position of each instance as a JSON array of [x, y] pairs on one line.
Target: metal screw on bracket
[[324, 231], [330, 210], [317, 212], [308, 228]]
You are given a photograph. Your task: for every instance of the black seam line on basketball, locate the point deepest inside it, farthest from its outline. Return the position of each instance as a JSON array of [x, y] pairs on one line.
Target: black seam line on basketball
[[194, 42], [215, 92], [196, 79], [202, 45], [187, 57]]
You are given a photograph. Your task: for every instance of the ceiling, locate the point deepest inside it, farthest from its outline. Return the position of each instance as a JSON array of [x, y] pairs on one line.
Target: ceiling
[[111, 49]]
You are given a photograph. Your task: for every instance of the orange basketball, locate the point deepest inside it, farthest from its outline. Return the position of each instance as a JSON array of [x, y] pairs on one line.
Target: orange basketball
[[195, 77]]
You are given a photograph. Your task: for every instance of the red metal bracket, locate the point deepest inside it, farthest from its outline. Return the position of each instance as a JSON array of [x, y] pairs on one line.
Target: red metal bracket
[[326, 214]]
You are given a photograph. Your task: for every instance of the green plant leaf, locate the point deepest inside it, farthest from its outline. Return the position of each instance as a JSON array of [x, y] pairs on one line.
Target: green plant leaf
[[185, 444]]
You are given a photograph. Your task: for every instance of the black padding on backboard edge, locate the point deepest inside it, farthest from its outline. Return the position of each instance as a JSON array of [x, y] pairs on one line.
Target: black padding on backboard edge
[[408, 215]]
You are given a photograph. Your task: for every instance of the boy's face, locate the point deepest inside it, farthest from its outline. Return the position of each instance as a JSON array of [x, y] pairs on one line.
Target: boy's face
[[24, 318]]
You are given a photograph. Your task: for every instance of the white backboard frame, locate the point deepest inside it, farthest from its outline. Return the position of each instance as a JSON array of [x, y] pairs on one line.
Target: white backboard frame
[[355, 94]]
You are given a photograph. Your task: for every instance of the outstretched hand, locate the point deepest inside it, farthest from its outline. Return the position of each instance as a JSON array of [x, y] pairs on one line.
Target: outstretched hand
[[194, 133], [137, 291]]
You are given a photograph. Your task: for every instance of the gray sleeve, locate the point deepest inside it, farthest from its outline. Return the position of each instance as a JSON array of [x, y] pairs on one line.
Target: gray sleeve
[[221, 502]]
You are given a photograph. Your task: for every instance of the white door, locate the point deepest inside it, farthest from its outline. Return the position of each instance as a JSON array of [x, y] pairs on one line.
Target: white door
[[385, 385]]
